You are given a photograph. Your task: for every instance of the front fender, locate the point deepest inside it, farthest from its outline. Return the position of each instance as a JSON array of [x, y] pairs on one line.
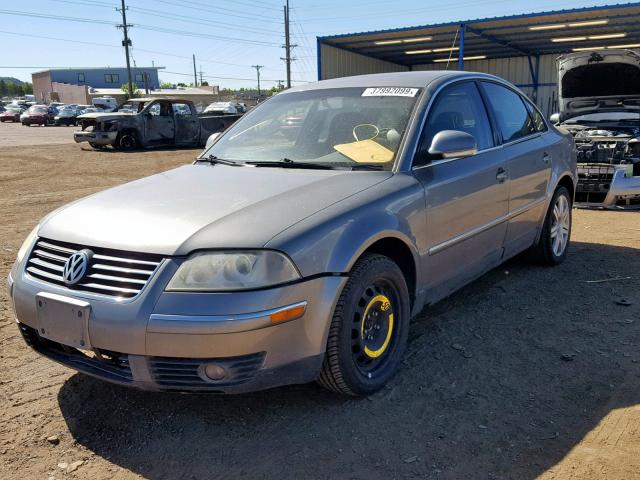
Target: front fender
[[332, 240]]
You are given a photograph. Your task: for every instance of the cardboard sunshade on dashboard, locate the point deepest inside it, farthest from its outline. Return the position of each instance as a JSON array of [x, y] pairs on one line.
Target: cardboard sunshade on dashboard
[[365, 151]]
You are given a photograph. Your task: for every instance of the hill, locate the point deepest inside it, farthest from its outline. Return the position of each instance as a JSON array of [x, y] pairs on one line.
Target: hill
[[13, 80]]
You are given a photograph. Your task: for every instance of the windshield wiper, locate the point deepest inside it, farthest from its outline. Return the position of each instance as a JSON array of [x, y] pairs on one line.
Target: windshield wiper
[[288, 163], [367, 166], [212, 159]]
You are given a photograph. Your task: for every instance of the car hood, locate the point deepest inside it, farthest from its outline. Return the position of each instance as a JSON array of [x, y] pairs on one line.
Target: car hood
[[104, 117], [598, 81], [201, 206]]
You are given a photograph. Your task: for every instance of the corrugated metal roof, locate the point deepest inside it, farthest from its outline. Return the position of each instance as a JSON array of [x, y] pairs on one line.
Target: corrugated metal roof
[[500, 37]]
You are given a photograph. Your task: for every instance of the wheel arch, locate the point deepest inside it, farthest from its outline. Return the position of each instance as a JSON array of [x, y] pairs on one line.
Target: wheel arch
[[399, 251], [567, 182]]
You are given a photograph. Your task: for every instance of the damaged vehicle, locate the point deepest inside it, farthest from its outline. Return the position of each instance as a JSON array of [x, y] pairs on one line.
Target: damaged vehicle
[[280, 259], [150, 122], [599, 101]]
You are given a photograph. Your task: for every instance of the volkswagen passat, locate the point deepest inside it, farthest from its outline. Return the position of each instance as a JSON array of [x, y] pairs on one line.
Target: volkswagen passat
[[281, 258]]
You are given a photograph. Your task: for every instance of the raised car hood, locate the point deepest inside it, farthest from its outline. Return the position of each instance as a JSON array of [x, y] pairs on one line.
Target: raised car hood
[[598, 81], [202, 206]]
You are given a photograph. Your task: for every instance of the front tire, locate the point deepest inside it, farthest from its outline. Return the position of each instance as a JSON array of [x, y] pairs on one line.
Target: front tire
[[127, 141], [369, 329], [554, 241]]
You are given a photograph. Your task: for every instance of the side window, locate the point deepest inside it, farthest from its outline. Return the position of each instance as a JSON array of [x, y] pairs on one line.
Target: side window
[[181, 109], [512, 117], [538, 122], [154, 109], [458, 107]]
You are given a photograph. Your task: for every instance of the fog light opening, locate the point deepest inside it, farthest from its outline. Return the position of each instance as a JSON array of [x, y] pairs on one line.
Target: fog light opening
[[213, 371]]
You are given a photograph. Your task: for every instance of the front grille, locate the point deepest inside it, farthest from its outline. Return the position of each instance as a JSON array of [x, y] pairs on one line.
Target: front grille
[[112, 273], [184, 373], [103, 363], [594, 181]]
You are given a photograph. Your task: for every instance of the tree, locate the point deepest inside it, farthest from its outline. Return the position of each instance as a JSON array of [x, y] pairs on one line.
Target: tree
[[125, 89], [166, 85], [3, 88], [204, 84], [28, 88]]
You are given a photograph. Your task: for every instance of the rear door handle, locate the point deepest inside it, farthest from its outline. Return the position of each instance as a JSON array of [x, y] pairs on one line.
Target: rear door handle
[[501, 176]]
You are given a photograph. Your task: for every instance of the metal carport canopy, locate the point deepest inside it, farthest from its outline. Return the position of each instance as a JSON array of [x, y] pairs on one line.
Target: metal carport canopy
[[529, 35]]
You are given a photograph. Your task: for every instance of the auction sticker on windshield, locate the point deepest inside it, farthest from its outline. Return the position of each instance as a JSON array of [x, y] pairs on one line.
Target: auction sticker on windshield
[[390, 92]]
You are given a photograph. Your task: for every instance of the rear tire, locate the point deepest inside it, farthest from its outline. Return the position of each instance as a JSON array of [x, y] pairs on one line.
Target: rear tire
[[553, 245], [369, 329]]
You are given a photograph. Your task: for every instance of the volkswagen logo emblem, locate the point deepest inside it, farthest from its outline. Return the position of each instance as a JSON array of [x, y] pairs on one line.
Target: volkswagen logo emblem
[[76, 267]]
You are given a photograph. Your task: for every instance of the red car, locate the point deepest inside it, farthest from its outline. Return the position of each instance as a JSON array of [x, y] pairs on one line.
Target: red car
[[11, 114], [38, 115]]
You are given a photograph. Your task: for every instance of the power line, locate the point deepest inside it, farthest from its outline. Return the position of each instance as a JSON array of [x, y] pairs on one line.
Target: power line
[[141, 27], [216, 77], [229, 12]]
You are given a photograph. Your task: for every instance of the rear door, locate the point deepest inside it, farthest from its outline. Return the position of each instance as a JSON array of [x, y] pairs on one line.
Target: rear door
[[466, 198], [523, 134]]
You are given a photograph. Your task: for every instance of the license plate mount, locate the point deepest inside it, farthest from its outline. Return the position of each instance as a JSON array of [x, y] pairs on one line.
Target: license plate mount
[[63, 319]]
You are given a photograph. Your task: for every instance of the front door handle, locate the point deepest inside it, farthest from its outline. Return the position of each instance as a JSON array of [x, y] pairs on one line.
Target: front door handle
[[501, 176], [546, 158]]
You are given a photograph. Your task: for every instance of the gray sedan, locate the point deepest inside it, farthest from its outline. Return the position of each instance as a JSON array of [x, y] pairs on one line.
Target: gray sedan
[[294, 251]]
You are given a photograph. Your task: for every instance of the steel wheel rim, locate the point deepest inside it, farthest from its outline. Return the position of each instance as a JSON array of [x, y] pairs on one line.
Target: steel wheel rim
[[560, 225], [371, 346]]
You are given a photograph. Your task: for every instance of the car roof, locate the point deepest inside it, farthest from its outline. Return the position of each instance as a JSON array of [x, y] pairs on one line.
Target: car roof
[[395, 79]]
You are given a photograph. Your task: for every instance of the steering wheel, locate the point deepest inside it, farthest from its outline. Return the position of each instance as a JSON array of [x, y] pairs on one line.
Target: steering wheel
[[355, 129]]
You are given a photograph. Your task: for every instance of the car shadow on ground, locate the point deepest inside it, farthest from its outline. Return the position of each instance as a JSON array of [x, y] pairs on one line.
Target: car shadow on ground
[[501, 380]]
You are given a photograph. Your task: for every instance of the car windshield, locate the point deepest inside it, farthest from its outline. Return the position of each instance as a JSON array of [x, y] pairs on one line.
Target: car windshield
[[334, 127], [36, 109], [132, 106]]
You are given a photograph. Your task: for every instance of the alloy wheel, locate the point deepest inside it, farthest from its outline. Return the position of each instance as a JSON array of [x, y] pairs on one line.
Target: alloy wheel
[[560, 226]]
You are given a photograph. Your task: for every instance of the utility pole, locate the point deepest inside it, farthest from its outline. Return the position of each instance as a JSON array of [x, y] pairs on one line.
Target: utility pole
[[126, 43], [201, 82], [287, 44], [258, 67], [195, 74]]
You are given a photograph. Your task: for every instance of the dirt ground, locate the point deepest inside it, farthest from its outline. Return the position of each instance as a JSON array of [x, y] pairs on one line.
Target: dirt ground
[[529, 372], [16, 134]]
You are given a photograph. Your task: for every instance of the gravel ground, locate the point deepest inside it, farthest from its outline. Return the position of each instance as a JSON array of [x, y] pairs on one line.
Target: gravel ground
[[16, 134], [528, 372]]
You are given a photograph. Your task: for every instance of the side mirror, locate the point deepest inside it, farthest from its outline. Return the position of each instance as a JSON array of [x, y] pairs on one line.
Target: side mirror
[[453, 144], [555, 118]]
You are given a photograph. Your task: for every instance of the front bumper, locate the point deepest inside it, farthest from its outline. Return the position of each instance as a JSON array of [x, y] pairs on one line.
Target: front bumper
[[99, 138], [163, 340], [610, 191]]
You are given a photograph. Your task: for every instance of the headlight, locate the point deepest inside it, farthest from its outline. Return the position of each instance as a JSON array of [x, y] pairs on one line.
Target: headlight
[[225, 271], [26, 245]]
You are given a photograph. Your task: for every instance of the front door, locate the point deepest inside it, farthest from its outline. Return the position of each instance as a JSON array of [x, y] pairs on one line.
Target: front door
[[159, 124], [466, 198], [528, 153], [187, 125]]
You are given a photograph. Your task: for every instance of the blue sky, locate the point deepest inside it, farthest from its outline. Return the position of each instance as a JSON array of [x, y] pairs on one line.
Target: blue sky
[[227, 36]]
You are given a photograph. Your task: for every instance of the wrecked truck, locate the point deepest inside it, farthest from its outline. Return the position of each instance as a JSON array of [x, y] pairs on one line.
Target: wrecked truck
[[599, 103], [148, 123]]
